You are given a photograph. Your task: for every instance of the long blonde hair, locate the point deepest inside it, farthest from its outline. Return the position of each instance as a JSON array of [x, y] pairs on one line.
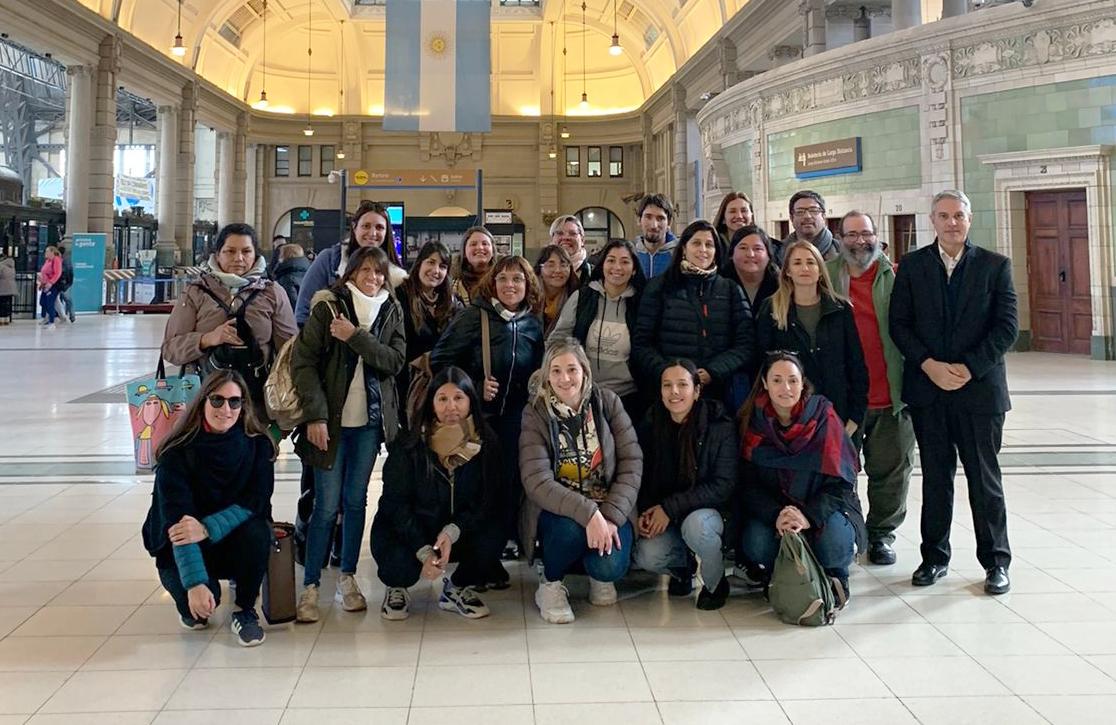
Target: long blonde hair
[[784, 296], [540, 379]]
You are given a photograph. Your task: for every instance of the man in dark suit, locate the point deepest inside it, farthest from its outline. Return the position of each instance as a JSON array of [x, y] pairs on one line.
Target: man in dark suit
[[953, 316]]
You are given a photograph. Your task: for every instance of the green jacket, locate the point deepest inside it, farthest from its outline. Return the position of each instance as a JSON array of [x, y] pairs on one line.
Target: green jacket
[[881, 300]]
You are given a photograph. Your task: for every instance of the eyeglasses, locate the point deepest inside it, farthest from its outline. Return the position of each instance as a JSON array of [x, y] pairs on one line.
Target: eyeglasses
[[517, 279], [809, 211], [218, 401], [853, 236]]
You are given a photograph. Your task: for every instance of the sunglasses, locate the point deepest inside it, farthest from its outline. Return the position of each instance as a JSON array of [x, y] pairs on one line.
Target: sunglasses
[[218, 401]]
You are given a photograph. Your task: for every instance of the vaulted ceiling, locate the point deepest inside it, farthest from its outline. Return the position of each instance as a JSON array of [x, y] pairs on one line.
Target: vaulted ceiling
[[225, 45]]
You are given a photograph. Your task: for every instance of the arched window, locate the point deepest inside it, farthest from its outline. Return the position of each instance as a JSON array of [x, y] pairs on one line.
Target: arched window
[[600, 226]]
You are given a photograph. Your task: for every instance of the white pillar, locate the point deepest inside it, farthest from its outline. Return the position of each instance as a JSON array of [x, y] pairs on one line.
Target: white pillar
[[167, 180], [906, 13], [683, 210], [813, 17], [953, 8], [226, 157], [862, 26], [78, 139]]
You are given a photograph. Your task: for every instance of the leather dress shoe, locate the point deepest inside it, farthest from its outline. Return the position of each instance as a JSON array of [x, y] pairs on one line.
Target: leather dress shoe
[[996, 580], [927, 574], [880, 552]]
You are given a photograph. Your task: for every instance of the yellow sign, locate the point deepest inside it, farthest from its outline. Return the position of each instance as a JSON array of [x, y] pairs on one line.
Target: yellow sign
[[432, 178]]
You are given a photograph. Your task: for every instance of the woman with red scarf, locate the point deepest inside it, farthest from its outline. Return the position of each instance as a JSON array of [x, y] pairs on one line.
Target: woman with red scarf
[[799, 473]]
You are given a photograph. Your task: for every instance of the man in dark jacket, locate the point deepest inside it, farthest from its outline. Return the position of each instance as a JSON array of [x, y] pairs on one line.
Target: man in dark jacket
[[290, 270], [953, 316]]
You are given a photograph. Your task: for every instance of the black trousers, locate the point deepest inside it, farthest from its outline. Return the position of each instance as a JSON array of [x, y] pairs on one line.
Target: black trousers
[[944, 431], [478, 559], [240, 556]]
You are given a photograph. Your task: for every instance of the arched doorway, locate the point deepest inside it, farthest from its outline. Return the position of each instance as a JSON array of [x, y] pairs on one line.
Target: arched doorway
[[600, 226]]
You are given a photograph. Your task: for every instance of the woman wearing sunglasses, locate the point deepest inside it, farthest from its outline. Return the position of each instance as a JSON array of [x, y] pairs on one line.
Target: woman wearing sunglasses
[[211, 505]]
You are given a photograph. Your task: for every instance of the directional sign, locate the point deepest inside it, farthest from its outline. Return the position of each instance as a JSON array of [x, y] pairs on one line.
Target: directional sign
[[433, 178]]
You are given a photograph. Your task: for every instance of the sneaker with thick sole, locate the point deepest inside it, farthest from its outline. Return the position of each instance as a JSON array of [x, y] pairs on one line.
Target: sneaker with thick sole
[[680, 586], [601, 594], [349, 594], [397, 604], [194, 625], [712, 600], [553, 601], [307, 609], [463, 600], [246, 626]]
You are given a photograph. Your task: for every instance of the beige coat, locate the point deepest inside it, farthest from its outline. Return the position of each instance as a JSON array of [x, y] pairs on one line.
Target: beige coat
[[269, 315]]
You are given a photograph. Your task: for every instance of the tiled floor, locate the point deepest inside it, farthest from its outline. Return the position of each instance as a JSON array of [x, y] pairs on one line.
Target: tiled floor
[[87, 636]]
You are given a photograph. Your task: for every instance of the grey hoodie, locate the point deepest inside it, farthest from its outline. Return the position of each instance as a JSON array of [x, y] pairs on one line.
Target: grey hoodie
[[608, 342]]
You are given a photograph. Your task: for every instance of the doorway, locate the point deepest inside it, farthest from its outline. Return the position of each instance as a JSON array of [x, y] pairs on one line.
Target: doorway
[[1058, 271]]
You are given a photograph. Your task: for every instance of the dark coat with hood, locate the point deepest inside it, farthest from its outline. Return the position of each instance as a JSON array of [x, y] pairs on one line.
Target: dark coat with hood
[[323, 368], [289, 276]]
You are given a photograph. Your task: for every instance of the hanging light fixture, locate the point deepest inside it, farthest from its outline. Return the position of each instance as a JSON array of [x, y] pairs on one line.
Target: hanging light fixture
[[341, 92], [179, 49], [615, 48], [565, 131], [309, 130], [584, 95], [262, 103], [552, 153]]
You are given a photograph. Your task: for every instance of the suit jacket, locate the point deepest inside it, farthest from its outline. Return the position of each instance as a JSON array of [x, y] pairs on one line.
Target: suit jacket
[[983, 327]]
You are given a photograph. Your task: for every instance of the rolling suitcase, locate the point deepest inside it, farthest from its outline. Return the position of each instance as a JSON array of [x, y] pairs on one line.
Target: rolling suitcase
[[279, 596]]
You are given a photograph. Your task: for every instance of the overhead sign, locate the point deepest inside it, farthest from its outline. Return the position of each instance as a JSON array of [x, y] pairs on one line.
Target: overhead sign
[[87, 255], [415, 178], [828, 158], [302, 216], [497, 217]]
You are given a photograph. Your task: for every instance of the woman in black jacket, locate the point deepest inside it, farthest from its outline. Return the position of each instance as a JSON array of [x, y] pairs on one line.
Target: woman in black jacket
[[692, 312], [441, 480], [510, 298], [689, 471], [211, 504], [344, 365], [808, 318]]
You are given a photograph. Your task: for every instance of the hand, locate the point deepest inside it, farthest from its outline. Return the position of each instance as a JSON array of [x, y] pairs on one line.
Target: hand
[[318, 434], [187, 531], [962, 371], [597, 534], [341, 328], [443, 546], [943, 375], [704, 377], [792, 520], [657, 521], [223, 335], [201, 602], [850, 428], [491, 389], [432, 568]]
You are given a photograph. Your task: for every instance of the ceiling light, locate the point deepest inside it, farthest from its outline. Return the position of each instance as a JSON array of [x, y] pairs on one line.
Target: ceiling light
[[309, 130], [179, 49], [552, 153], [340, 153], [262, 103], [564, 132], [584, 100], [615, 48]]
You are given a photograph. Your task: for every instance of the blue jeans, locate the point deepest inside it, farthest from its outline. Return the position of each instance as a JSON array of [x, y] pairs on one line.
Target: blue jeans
[[700, 532], [343, 488], [47, 301], [832, 545], [563, 541]]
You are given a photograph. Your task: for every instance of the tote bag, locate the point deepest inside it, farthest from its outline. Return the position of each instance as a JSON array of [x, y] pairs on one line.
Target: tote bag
[[154, 406]]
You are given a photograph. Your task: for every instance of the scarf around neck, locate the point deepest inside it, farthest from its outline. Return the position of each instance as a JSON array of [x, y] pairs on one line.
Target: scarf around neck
[[504, 313], [455, 444], [235, 282], [367, 307], [814, 443], [688, 268]]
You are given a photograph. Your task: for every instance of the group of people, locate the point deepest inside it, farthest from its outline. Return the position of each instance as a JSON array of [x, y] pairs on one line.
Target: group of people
[[658, 403]]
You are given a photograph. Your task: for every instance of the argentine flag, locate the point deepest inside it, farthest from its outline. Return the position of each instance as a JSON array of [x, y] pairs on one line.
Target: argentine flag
[[438, 65]]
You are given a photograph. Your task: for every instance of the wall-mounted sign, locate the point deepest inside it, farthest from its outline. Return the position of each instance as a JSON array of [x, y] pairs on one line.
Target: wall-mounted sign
[[415, 178], [828, 158], [497, 217]]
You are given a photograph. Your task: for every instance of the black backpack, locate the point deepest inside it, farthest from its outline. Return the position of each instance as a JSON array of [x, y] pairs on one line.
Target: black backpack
[[248, 360]]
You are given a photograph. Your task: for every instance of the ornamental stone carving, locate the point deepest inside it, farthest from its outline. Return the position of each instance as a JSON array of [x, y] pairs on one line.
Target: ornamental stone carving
[[1050, 45], [450, 147], [879, 79]]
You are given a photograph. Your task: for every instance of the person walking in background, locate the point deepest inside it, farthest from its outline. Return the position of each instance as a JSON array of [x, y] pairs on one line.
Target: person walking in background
[[8, 288], [290, 270], [49, 275], [65, 302]]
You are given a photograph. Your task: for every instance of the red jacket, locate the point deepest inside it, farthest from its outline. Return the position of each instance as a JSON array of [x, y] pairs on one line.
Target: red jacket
[[51, 272]]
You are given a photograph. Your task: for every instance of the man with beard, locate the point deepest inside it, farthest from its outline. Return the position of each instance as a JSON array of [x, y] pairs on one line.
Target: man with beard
[[807, 212], [655, 243], [866, 276]]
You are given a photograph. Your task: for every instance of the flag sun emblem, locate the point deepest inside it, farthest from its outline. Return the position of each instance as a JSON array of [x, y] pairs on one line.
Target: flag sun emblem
[[438, 44]]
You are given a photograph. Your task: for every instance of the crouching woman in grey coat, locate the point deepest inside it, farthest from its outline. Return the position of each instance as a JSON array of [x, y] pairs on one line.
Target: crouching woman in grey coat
[[581, 464]]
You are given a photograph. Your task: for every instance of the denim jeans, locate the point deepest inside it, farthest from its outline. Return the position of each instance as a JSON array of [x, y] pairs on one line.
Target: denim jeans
[[343, 488], [563, 541], [47, 301], [832, 544], [700, 532], [64, 305]]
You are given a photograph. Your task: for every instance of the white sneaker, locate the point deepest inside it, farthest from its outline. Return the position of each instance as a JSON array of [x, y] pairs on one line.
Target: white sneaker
[[49, 326], [463, 600], [349, 594], [397, 604], [553, 601], [307, 609], [601, 594]]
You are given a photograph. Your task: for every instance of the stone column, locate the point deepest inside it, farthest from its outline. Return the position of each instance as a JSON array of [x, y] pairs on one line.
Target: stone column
[[813, 26], [780, 55], [648, 154], [167, 181], [730, 74], [548, 175], [250, 167], [862, 26], [906, 13], [239, 168], [103, 140], [953, 8], [939, 129], [187, 152], [681, 162], [225, 161], [79, 128]]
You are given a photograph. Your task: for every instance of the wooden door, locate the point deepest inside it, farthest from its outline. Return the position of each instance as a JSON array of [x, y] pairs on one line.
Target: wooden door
[[903, 236], [1058, 271]]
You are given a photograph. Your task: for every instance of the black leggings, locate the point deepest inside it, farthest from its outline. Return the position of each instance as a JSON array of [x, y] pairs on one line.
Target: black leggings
[[241, 556], [478, 559]]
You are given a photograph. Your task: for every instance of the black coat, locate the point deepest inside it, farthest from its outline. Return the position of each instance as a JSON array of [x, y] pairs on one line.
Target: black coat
[[420, 497], [704, 319], [517, 348], [763, 496], [977, 329], [422, 333], [289, 274], [835, 366], [718, 450]]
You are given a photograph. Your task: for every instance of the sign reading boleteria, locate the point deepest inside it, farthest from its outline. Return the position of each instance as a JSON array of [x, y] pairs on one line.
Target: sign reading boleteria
[[438, 66]]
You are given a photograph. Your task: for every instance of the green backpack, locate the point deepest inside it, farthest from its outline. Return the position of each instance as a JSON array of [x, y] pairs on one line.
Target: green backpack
[[800, 591]]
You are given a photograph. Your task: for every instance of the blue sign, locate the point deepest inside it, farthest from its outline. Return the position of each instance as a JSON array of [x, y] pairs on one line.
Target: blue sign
[[88, 257]]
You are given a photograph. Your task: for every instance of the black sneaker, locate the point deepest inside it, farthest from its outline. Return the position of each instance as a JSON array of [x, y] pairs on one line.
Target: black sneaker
[[711, 600], [680, 586], [511, 552], [194, 625], [246, 626]]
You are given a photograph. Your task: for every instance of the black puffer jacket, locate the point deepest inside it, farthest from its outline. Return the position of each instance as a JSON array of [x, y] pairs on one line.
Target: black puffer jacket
[[420, 496], [517, 347], [835, 365], [704, 319], [716, 458], [289, 276]]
